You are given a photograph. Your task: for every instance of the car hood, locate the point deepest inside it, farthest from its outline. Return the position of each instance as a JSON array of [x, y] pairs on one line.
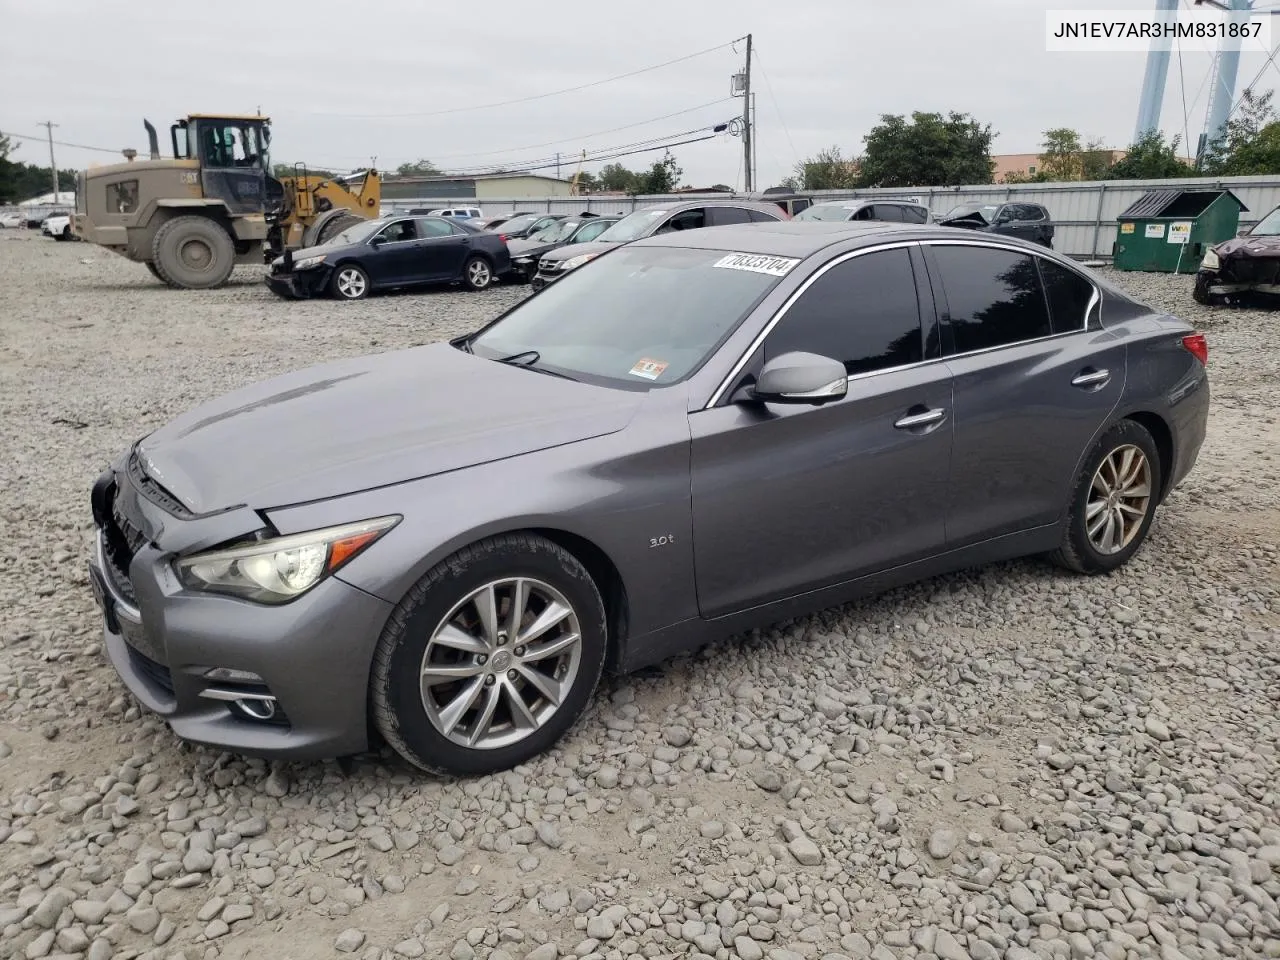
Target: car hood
[[529, 248], [1249, 247], [356, 424], [973, 221], [578, 249]]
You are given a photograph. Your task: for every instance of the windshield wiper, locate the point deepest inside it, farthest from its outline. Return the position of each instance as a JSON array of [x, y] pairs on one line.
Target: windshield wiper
[[524, 358], [528, 359]]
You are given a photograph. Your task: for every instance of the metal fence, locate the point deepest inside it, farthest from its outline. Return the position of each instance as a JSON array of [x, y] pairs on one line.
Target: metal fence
[[1084, 214]]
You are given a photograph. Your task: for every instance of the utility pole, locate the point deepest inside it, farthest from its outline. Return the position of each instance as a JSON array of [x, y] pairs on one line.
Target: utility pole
[[748, 180], [557, 164], [53, 167]]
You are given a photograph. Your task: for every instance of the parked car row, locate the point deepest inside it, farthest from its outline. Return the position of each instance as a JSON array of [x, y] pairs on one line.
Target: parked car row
[[459, 246]]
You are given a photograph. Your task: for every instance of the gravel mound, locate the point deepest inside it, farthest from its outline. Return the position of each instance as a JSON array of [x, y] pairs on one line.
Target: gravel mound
[[1007, 762]]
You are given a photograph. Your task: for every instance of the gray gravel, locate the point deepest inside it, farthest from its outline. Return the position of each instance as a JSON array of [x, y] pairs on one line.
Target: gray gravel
[[1009, 762]]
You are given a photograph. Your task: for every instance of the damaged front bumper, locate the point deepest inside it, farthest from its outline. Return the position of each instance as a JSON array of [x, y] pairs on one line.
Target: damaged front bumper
[[299, 284]]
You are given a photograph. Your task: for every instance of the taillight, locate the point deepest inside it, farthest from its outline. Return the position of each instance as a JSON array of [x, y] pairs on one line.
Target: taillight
[[1198, 346], [502, 237]]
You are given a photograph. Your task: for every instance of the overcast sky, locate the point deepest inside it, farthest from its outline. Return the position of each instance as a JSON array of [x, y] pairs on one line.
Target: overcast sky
[[365, 75]]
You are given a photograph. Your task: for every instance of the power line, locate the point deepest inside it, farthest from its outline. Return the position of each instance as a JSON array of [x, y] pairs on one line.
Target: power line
[[531, 97], [60, 143], [776, 108], [553, 143]]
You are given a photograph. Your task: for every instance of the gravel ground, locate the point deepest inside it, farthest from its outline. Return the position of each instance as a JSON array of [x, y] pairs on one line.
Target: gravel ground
[[1008, 762]]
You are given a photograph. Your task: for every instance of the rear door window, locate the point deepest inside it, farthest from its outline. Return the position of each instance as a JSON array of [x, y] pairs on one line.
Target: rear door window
[[889, 212], [759, 216], [994, 297], [1069, 296], [863, 312], [915, 214], [722, 216]]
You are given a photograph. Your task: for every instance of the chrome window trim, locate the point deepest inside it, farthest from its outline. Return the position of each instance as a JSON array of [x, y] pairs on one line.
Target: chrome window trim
[[993, 244], [781, 312]]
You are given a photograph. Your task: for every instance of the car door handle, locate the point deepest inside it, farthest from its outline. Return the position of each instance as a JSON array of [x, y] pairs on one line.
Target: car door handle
[[923, 419], [1091, 378]]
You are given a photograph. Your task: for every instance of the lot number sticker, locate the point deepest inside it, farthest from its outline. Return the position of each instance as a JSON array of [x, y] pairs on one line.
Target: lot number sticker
[[774, 266], [1155, 230], [649, 369], [1180, 232]]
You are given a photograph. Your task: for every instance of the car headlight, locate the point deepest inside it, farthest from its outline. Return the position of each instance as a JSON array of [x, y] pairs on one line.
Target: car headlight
[[1210, 261], [306, 263], [574, 262], [281, 568], [523, 261]]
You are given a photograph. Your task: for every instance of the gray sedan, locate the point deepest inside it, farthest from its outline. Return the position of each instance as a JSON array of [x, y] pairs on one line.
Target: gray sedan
[[692, 435]]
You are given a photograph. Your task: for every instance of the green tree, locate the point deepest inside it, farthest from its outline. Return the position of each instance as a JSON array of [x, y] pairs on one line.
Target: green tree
[[419, 168], [828, 169], [1095, 160], [8, 172], [662, 177], [1061, 159], [1251, 142], [927, 150], [614, 177], [1151, 158]]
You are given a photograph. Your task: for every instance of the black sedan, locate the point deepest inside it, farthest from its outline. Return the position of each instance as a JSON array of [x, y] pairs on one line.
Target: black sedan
[[526, 224], [392, 252], [562, 233]]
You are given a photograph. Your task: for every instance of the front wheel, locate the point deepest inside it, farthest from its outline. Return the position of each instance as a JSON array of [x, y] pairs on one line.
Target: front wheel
[[349, 283], [490, 657], [477, 274], [1200, 290], [1114, 501]]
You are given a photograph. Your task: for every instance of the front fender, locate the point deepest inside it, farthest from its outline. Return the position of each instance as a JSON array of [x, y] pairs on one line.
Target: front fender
[[623, 493]]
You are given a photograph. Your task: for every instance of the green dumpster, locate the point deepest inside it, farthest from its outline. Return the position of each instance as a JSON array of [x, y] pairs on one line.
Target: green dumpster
[[1168, 231]]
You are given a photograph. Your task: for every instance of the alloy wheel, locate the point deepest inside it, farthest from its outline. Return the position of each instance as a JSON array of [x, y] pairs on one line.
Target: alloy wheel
[[351, 283], [478, 274], [500, 663], [1119, 499]]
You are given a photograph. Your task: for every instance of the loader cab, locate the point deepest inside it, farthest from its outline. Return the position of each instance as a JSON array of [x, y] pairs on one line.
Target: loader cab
[[233, 154]]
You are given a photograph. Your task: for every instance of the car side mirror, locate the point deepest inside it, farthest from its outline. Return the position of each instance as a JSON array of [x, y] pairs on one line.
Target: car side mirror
[[799, 377], [378, 241]]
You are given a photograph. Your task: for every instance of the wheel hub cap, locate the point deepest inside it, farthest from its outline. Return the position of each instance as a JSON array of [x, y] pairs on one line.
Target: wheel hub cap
[[500, 663]]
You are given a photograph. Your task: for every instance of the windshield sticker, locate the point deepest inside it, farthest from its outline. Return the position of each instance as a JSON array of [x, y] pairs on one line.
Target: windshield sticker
[[774, 266], [649, 369]]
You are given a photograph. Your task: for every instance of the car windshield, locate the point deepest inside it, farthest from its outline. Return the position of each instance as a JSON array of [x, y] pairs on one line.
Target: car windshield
[[358, 233], [1268, 226], [555, 231], [637, 316], [986, 210], [518, 222], [825, 211], [633, 226]]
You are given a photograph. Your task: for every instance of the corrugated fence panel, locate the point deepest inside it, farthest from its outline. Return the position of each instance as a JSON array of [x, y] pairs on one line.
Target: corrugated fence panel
[[1084, 214]]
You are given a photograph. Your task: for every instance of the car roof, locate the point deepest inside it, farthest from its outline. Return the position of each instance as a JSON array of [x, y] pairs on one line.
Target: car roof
[[802, 238]]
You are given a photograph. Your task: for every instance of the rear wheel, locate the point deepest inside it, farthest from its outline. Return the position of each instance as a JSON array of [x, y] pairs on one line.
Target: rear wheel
[[193, 253], [477, 274], [349, 283], [490, 658], [1114, 501], [154, 272]]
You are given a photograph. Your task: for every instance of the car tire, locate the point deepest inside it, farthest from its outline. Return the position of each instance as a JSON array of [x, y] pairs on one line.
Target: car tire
[[193, 253], [438, 629], [155, 272], [1200, 291], [477, 273], [1113, 501], [349, 282]]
